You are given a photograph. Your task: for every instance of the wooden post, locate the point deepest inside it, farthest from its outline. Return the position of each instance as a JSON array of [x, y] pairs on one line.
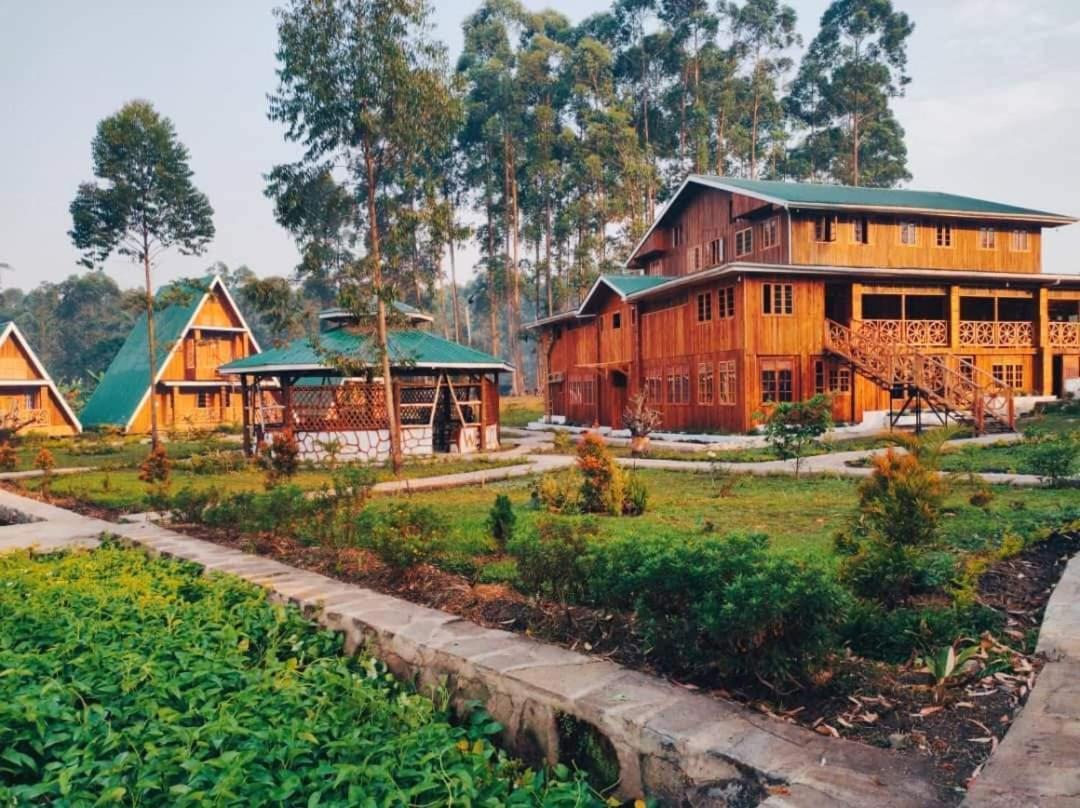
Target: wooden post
[[245, 419], [483, 420], [954, 319], [856, 302], [286, 401], [1044, 354]]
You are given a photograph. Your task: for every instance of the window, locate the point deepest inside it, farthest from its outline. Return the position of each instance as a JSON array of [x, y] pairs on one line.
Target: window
[[725, 372], [203, 400], [189, 353], [696, 260], [825, 228], [966, 367], [909, 234], [616, 320], [1011, 375], [582, 391], [770, 233], [860, 230], [777, 383], [705, 383], [30, 400], [944, 235], [744, 241], [656, 267], [819, 376], [654, 388], [716, 251], [1020, 241], [840, 379], [725, 298], [678, 385], [227, 403], [776, 298], [678, 235], [987, 238], [704, 307]]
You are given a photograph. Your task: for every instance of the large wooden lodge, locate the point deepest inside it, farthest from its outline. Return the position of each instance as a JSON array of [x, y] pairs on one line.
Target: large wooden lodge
[[745, 293]]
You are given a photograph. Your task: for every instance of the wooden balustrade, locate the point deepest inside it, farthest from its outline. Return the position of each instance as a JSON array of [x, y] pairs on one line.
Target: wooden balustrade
[[1065, 335], [911, 332], [997, 334]]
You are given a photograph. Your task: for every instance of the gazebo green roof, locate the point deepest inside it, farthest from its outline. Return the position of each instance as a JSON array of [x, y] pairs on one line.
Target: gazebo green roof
[[408, 348]]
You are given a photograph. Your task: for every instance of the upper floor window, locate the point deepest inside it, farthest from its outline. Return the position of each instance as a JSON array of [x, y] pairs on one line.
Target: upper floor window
[[909, 234], [30, 400], [1020, 241], [744, 241], [716, 251], [616, 320], [987, 238], [777, 298], [725, 302], [704, 307], [696, 258], [860, 230], [770, 233], [944, 235], [825, 228], [189, 353], [678, 235]]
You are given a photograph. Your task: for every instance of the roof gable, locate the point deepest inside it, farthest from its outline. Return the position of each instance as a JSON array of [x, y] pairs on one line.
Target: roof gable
[[10, 331], [125, 385]]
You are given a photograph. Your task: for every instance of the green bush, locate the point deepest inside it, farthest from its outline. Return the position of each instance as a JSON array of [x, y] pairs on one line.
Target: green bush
[[503, 571], [635, 496], [602, 481], [895, 635], [404, 535], [558, 491], [554, 560], [130, 680], [501, 520], [562, 442], [189, 504], [721, 606], [1054, 460]]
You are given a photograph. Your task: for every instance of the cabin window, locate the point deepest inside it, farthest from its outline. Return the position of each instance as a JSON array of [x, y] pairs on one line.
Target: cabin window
[[965, 365], [725, 302], [716, 251], [744, 241], [696, 258], [1011, 375], [725, 372], [227, 401], [654, 388], [825, 228], [616, 320], [777, 298], [30, 400], [987, 238], [704, 307], [770, 233], [1020, 241], [909, 234], [705, 383], [840, 379], [678, 385], [777, 383], [189, 354], [678, 235], [944, 235], [819, 376], [203, 400], [583, 392], [860, 230]]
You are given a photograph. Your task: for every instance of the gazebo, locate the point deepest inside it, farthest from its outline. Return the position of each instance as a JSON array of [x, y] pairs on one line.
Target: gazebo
[[446, 395]]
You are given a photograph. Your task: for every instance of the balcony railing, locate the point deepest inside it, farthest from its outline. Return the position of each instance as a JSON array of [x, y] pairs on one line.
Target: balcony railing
[[1065, 335], [997, 334], [928, 333]]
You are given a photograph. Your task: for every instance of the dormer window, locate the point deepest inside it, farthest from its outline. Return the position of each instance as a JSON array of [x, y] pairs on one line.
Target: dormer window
[[825, 228]]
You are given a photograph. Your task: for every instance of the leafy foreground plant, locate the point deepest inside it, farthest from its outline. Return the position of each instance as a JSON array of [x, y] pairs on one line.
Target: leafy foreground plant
[[133, 681]]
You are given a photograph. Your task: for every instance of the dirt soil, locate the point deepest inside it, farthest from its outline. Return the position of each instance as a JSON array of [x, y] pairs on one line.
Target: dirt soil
[[891, 706]]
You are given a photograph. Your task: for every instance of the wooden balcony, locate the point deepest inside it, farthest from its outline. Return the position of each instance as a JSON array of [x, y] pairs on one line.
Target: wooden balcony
[[1065, 335], [997, 334], [924, 333]]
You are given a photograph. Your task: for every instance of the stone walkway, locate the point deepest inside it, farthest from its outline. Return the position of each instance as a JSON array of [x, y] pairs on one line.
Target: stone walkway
[[670, 742]]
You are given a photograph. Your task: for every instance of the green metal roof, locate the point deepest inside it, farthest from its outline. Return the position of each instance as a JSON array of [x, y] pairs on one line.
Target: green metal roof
[[811, 194], [629, 284], [124, 385], [407, 347]]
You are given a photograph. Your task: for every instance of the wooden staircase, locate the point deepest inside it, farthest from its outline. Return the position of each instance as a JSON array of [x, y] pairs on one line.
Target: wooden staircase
[[973, 395]]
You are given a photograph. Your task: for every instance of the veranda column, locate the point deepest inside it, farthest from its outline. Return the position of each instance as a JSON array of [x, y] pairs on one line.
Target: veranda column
[[1044, 355], [245, 419], [954, 319]]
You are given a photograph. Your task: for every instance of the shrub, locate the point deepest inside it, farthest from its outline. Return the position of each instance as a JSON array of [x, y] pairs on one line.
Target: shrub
[[562, 442], [216, 462], [501, 521], [1054, 460], [403, 536], [635, 496], [981, 497], [503, 571], [602, 480], [281, 458], [895, 635], [558, 491], [189, 504], [155, 471], [793, 427], [553, 560], [725, 606], [45, 463], [9, 457]]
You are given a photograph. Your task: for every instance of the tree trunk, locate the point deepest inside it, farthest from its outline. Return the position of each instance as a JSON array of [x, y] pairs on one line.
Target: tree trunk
[[493, 294], [514, 320], [454, 289], [380, 317], [151, 345], [547, 256]]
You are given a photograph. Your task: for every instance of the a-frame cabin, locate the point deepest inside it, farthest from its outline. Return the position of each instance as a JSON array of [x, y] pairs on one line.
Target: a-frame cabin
[[197, 334], [29, 399]]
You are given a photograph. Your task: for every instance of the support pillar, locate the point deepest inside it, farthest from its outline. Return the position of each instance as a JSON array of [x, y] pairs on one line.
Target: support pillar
[[1044, 354], [954, 319], [245, 414]]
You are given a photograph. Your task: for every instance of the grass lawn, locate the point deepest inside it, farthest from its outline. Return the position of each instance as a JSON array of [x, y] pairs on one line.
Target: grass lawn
[[121, 489], [113, 452], [138, 681], [519, 411], [799, 517]]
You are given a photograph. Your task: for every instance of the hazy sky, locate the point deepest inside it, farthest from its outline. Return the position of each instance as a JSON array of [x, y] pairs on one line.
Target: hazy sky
[[993, 110]]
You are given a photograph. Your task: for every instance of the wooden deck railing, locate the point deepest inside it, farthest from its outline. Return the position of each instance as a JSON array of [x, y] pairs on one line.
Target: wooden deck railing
[[911, 332], [1065, 335], [997, 334]]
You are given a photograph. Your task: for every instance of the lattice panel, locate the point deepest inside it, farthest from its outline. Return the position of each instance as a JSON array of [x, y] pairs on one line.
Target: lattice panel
[[346, 407]]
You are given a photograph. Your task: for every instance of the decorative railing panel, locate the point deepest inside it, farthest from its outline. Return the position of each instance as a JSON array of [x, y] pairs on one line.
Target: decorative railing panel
[[910, 332], [997, 334], [1065, 335]]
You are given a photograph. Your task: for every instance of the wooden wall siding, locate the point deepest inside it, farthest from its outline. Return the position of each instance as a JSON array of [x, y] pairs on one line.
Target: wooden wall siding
[[695, 415], [707, 215], [53, 419], [15, 363], [885, 250], [216, 311]]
